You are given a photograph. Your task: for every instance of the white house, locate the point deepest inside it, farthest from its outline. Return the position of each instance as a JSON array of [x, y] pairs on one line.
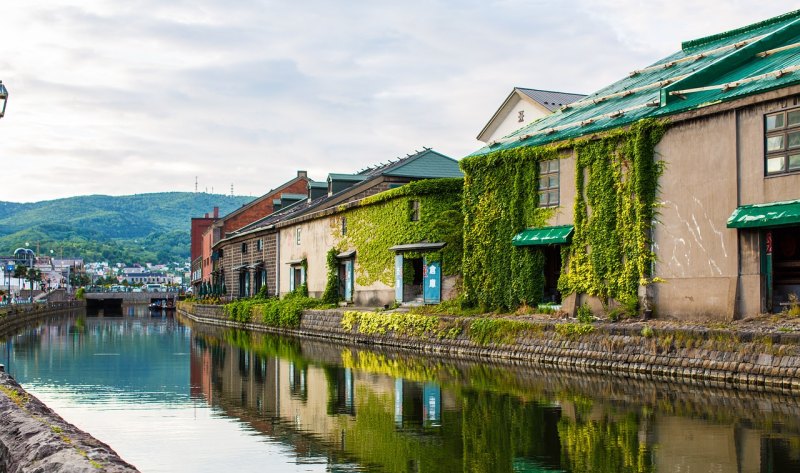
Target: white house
[[521, 107]]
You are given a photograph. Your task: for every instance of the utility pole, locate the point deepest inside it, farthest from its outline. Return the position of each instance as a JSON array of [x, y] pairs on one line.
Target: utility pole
[[195, 184]]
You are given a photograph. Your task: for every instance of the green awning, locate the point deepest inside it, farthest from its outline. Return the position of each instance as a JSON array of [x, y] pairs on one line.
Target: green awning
[[773, 214], [544, 236]]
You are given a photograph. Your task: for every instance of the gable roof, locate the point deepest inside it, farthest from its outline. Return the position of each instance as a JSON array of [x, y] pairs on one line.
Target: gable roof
[[301, 176], [550, 99], [425, 164], [546, 101], [753, 59]]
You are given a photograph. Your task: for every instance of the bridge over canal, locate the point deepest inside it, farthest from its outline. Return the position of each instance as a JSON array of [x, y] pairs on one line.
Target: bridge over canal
[[115, 300]]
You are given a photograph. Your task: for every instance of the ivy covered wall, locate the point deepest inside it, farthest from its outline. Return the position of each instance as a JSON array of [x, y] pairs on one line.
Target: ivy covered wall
[[384, 220], [616, 181]]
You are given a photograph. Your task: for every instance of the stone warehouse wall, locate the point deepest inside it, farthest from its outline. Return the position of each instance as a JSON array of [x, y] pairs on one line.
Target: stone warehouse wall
[[711, 357]]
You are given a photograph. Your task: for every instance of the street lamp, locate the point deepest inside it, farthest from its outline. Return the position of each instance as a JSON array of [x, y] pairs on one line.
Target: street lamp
[[3, 99]]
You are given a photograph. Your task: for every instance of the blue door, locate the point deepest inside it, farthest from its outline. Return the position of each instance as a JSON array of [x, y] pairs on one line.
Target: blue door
[[398, 278], [432, 282], [348, 280]]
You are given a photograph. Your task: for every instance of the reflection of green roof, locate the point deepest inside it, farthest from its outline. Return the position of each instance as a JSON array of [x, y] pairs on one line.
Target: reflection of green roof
[[706, 71], [773, 214], [544, 236]]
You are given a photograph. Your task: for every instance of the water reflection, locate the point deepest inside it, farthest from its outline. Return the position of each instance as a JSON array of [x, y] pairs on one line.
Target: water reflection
[[388, 412], [175, 397]]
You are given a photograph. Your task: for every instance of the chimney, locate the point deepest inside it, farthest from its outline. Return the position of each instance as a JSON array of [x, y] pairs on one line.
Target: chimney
[[216, 212], [302, 174], [206, 216]]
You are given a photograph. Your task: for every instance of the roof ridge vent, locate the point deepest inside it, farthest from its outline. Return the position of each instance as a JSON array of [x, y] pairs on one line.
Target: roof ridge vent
[[699, 42]]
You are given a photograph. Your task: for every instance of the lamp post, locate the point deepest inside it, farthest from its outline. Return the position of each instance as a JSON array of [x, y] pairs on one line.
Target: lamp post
[[3, 99]]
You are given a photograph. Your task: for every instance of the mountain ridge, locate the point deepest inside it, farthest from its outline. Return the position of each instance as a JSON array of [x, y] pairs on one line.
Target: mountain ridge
[[147, 227]]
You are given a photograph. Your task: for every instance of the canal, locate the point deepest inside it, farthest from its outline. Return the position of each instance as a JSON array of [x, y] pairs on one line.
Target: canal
[[172, 396]]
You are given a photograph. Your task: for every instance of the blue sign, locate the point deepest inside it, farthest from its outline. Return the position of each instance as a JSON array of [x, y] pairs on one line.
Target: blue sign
[[432, 281], [9, 267]]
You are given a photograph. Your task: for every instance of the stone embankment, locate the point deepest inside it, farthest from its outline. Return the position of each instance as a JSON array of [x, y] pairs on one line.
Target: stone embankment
[[753, 359], [35, 439]]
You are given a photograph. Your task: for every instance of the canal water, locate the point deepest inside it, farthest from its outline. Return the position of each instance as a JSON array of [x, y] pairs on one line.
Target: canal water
[[171, 396]]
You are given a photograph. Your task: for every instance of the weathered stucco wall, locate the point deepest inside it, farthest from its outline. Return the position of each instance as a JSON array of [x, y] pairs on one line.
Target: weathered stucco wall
[[316, 238], [697, 254]]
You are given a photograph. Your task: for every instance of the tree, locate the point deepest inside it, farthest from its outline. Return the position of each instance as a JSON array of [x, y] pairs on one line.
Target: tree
[[20, 272], [33, 275]]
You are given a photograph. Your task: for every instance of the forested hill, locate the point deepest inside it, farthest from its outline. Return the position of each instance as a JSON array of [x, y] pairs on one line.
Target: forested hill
[[131, 228]]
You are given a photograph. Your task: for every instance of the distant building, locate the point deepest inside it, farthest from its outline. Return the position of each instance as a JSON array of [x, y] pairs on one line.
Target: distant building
[[266, 253], [522, 107], [207, 231]]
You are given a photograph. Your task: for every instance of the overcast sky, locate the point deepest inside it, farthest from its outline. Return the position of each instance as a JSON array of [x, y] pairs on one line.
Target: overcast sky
[[110, 97]]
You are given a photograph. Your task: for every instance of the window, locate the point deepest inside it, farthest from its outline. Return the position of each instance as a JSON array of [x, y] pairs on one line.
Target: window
[[298, 235], [259, 244], [413, 210], [344, 226], [548, 183], [244, 248], [782, 142]]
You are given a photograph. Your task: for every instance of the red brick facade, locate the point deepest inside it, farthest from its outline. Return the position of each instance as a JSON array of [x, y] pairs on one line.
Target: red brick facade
[[262, 206]]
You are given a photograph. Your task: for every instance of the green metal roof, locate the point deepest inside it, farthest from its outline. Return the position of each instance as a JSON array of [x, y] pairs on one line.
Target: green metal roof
[[427, 164], [544, 236], [773, 214], [705, 72], [346, 177]]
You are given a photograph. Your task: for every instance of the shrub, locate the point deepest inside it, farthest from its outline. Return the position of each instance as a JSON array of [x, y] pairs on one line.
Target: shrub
[[584, 314], [572, 330], [490, 330], [379, 323], [647, 331], [80, 294]]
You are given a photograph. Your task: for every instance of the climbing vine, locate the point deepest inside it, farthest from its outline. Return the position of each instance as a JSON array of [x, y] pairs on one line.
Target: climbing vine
[[616, 181], [500, 200], [372, 229], [611, 253], [331, 294]]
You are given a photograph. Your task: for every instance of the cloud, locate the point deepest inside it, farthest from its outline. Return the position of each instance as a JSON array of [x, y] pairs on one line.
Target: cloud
[[121, 98]]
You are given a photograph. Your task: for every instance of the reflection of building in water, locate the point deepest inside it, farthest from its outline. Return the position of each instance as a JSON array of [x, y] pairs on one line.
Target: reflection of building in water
[[417, 404], [406, 425]]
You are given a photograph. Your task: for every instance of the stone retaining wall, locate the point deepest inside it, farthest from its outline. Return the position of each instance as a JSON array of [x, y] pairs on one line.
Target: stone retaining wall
[[743, 360]]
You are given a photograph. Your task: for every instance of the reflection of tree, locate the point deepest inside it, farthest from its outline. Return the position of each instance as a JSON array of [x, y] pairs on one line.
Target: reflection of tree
[[371, 436], [487, 432], [604, 445], [498, 429]]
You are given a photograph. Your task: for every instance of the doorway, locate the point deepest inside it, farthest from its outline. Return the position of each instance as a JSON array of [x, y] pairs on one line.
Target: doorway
[[784, 246], [552, 271]]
